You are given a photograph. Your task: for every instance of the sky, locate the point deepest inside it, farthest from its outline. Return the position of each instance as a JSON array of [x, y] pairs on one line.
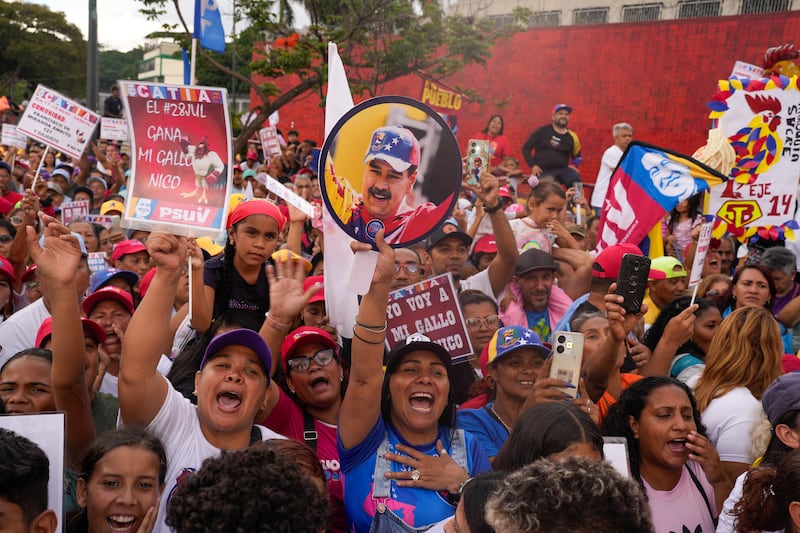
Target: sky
[[120, 26]]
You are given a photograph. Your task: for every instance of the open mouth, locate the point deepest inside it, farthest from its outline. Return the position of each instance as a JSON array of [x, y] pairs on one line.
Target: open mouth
[[319, 383], [121, 522], [229, 401], [422, 402], [111, 338], [526, 384], [379, 194], [677, 446]]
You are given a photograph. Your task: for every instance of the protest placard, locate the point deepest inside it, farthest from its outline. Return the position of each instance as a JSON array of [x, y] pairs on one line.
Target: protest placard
[[270, 144], [181, 158], [48, 431], [11, 136], [103, 220], [114, 129], [703, 243], [429, 307], [72, 210], [759, 118], [97, 261], [57, 121]]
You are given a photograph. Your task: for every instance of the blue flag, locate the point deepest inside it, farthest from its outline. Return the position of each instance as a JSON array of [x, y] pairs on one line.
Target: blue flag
[[187, 68], [208, 25]]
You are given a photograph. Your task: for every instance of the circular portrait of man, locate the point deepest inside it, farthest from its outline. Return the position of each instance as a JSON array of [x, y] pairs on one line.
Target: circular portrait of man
[[391, 162]]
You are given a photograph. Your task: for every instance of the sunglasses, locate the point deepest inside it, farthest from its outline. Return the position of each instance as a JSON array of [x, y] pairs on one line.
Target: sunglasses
[[491, 321], [411, 268], [321, 357], [6, 238]]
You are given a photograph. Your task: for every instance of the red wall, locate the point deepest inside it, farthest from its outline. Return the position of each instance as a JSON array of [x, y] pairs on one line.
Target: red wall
[[657, 76]]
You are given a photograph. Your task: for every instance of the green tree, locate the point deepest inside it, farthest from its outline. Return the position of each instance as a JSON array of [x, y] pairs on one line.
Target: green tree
[[39, 46], [114, 65], [378, 40]]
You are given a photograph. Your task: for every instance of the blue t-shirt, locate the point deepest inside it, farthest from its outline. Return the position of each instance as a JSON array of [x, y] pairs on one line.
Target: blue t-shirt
[[416, 507], [539, 322], [489, 431]]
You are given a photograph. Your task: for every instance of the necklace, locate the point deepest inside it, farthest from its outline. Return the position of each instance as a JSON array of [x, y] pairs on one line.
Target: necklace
[[500, 419]]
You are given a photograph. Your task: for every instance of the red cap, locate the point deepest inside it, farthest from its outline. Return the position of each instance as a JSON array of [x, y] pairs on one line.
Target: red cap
[[606, 265], [29, 273], [7, 269], [131, 246], [256, 207], [302, 336], [486, 244], [504, 192], [147, 279], [252, 155], [309, 282], [91, 327], [109, 292], [5, 206]]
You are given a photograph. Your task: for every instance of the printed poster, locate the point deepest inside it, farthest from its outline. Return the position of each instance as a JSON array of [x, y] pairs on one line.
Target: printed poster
[[760, 118], [180, 158], [114, 129], [57, 121], [11, 136], [270, 145], [430, 307]]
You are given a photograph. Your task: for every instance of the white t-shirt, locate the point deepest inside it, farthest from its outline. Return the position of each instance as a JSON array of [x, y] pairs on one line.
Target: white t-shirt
[[611, 158], [19, 331], [480, 282], [110, 383], [683, 508], [178, 427], [729, 421], [727, 522]]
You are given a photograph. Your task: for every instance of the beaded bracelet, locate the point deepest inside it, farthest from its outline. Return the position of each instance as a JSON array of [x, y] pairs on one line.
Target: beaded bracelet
[[274, 324]]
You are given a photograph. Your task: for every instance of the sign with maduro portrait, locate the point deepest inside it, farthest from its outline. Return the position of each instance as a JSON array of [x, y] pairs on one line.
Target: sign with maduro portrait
[[180, 158], [429, 307]]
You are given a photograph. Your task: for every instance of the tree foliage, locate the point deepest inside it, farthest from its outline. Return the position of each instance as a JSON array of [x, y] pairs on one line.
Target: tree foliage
[[39, 46], [378, 40], [114, 65]]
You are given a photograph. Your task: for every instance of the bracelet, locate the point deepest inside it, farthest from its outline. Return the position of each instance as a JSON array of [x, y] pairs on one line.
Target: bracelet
[[274, 324], [494, 209], [362, 339], [373, 329]]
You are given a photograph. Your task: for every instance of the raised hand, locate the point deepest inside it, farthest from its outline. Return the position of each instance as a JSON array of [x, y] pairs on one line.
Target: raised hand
[[167, 251], [384, 270], [57, 261], [286, 295]]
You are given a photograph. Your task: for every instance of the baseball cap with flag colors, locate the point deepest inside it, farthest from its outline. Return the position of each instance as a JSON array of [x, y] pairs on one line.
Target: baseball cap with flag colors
[[395, 145], [512, 338]]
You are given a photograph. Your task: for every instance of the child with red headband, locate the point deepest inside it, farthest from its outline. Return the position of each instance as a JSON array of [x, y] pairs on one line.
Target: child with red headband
[[236, 281]]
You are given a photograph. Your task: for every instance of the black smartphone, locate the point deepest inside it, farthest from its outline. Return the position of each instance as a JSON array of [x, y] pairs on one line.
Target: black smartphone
[[632, 281]]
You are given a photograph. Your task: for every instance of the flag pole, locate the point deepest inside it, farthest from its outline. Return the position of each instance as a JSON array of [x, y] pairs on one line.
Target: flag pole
[[192, 62]]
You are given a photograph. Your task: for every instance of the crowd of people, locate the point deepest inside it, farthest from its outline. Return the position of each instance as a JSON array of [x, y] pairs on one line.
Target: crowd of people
[[206, 389]]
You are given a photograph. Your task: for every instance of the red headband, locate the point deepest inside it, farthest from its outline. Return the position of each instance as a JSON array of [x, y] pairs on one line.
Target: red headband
[[256, 207]]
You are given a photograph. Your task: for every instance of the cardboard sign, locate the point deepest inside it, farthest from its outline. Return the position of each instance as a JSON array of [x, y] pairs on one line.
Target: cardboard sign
[[276, 187], [12, 137], [48, 431], [759, 118], [97, 261], [270, 144], [72, 210], [114, 129], [57, 121], [701, 251], [390, 163], [430, 307], [746, 70], [103, 220], [180, 158]]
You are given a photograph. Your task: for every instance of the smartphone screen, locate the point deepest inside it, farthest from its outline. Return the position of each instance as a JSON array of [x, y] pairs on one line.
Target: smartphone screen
[[615, 450]]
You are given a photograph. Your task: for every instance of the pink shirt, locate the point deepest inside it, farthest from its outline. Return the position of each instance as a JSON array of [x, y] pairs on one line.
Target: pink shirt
[[683, 508], [287, 419]]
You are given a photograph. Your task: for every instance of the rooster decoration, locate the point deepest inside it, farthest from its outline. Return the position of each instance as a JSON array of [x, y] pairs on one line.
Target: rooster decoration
[[781, 60], [758, 145]]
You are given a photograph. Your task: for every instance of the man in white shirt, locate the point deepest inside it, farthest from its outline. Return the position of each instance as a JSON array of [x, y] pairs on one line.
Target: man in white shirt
[[623, 135]]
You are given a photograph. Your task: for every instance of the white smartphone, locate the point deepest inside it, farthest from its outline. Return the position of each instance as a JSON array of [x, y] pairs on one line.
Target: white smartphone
[[615, 450], [567, 357]]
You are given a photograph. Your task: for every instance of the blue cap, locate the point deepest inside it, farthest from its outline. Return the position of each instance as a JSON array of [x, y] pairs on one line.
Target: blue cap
[[6, 166], [395, 145], [101, 277], [512, 338], [559, 107]]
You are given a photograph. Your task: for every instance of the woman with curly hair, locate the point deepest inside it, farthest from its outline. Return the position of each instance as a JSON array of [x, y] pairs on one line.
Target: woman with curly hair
[[670, 456], [255, 490], [743, 359], [582, 496]]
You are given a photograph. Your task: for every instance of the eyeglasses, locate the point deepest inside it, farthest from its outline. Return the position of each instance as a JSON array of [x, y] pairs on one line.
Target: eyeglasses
[[491, 321], [411, 268], [6, 238], [302, 364]]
